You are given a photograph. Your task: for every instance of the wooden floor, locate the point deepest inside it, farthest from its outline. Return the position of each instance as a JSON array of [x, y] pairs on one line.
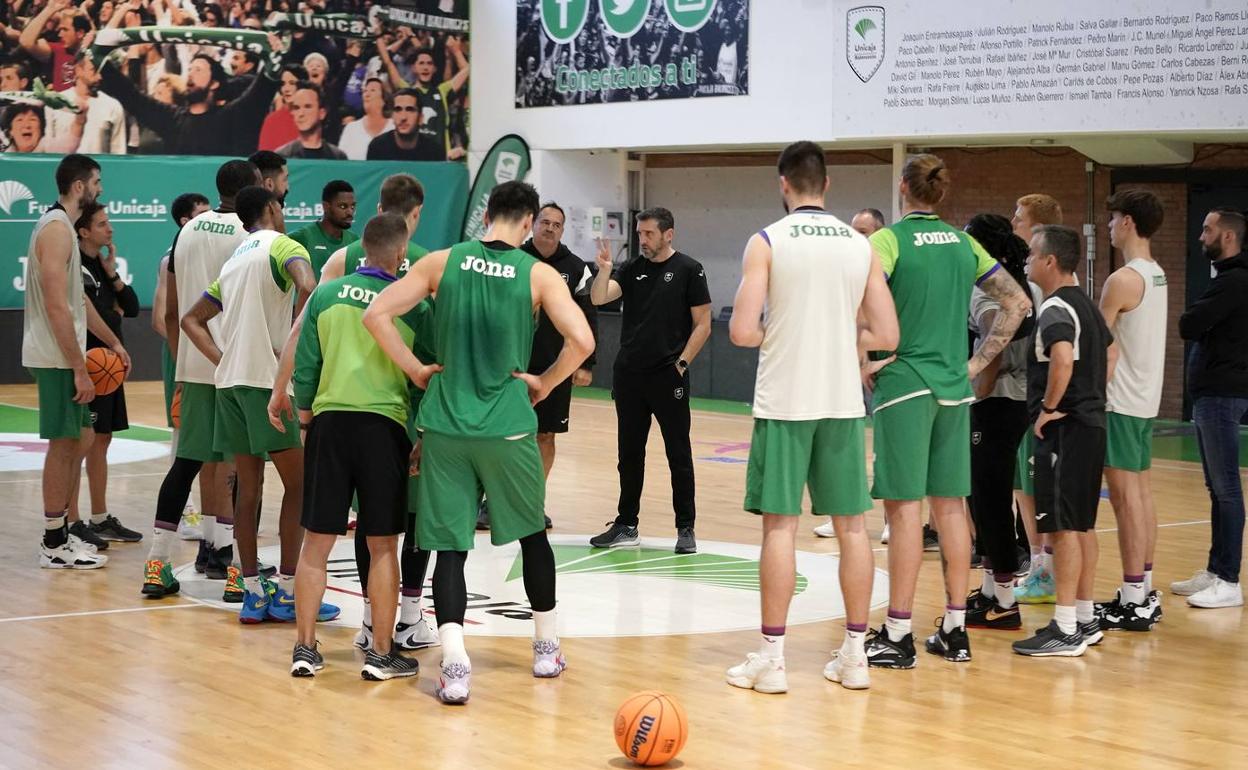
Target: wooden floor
[[85, 683]]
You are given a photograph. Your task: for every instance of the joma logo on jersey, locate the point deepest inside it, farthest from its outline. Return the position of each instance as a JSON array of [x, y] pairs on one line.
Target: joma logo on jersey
[[933, 239], [358, 294], [486, 267], [219, 228], [819, 230]]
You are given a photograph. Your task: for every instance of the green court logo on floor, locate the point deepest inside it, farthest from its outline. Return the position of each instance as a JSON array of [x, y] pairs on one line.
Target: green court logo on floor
[[563, 19]]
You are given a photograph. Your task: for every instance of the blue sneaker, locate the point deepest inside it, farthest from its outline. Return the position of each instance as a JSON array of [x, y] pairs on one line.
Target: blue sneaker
[[282, 608], [255, 608], [1039, 588]]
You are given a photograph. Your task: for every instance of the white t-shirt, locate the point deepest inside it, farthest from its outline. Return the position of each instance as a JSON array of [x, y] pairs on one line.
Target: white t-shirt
[[355, 138], [1135, 390], [103, 133], [202, 247]]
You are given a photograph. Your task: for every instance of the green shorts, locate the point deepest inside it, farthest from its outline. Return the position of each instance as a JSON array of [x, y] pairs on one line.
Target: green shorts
[[922, 449], [243, 427], [198, 420], [1025, 466], [829, 456], [454, 471], [59, 416], [167, 367], [1129, 442]]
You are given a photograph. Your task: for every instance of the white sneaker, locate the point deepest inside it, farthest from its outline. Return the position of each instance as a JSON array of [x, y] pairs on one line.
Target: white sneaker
[[759, 674], [454, 682], [850, 671], [78, 544], [884, 535], [191, 525], [364, 637], [71, 555], [415, 636], [548, 660], [1220, 594], [1197, 583], [826, 530]]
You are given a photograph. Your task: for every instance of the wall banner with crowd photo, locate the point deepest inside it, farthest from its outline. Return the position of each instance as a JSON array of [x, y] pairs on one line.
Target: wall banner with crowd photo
[[598, 51], [139, 191]]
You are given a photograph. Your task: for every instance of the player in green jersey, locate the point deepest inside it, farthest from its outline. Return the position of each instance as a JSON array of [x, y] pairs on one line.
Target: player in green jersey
[[332, 231], [921, 403], [477, 417]]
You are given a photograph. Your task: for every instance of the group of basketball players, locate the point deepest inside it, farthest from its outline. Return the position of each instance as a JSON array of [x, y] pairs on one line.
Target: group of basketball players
[[1054, 391]]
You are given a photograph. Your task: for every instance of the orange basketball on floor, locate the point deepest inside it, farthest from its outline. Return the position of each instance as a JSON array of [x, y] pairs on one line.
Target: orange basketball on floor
[[651, 728], [175, 408], [105, 369]]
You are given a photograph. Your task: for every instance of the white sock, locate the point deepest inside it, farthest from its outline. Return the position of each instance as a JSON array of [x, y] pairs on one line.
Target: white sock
[[98, 518], [223, 535], [771, 646], [986, 584], [953, 619], [897, 628], [1084, 610], [1004, 593], [286, 583], [1067, 619], [253, 586], [1046, 561], [544, 626], [1148, 581], [162, 545], [854, 642], [452, 637], [209, 524], [409, 609], [1134, 593], [368, 613]]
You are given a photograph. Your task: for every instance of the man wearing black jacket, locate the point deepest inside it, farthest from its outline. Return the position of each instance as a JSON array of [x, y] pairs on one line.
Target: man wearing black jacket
[[202, 127], [553, 412], [1216, 325], [112, 299]]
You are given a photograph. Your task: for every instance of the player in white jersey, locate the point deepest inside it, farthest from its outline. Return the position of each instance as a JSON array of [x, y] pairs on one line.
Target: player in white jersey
[[826, 301], [200, 250], [54, 342], [251, 302], [1133, 303]]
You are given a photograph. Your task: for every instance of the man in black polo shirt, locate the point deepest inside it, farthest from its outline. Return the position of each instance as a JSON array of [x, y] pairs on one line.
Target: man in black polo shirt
[[667, 320], [553, 411], [1068, 364]]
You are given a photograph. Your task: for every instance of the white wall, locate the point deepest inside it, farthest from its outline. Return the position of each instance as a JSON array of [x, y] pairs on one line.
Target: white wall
[[718, 209], [789, 96], [578, 180]]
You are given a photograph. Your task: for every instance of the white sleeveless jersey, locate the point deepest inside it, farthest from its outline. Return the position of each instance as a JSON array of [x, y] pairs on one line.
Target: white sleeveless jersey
[[254, 291], [202, 247], [808, 364], [1140, 333], [39, 348]]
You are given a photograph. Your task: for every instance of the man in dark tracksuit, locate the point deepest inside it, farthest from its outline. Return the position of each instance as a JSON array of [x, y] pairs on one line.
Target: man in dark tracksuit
[[553, 411], [667, 320]]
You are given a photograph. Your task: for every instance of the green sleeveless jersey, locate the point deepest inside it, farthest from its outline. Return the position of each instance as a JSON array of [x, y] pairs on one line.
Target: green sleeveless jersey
[[483, 333], [931, 269]]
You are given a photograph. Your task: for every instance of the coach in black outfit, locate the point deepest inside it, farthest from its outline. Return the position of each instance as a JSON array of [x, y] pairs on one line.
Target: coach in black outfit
[[667, 320]]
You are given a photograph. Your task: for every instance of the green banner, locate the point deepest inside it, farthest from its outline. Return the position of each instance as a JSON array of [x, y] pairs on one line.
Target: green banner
[[508, 159], [139, 190]]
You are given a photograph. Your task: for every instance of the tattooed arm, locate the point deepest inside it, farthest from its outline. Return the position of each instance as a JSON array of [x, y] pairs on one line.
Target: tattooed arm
[[1002, 287]]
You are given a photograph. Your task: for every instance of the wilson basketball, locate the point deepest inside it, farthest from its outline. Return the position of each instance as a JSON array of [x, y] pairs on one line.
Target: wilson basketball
[[175, 408], [105, 369], [651, 728]]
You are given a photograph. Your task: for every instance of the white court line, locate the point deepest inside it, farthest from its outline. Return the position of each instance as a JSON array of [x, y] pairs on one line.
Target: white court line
[[102, 612]]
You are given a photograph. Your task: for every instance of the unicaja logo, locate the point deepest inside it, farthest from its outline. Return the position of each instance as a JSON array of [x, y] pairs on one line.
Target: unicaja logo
[[12, 192], [864, 40]]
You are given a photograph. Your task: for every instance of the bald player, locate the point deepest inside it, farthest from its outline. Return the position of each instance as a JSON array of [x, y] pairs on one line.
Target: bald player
[[868, 221]]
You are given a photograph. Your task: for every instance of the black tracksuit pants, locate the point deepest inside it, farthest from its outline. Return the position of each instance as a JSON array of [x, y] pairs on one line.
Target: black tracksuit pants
[[997, 426], [663, 394]]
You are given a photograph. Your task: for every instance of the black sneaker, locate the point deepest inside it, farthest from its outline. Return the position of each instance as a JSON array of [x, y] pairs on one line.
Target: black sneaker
[[86, 534], [306, 661], [112, 529], [988, 614], [685, 543], [978, 601], [931, 539], [202, 556], [267, 571], [549, 524], [616, 536], [378, 668], [1024, 562], [1092, 633], [1154, 600], [954, 646], [1050, 642], [883, 652], [1119, 615], [483, 517], [218, 562]]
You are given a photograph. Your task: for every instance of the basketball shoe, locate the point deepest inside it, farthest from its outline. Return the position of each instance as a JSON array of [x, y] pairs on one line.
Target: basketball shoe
[[548, 660], [392, 665], [849, 671], [158, 580], [306, 661], [759, 674], [454, 683], [411, 636]]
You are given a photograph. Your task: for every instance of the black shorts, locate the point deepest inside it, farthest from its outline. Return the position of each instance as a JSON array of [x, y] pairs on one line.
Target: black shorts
[[108, 413], [1068, 462], [552, 411], [350, 454]]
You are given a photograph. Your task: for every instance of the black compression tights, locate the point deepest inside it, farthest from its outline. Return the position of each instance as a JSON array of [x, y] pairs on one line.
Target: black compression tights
[[175, 490], [450, 592]]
